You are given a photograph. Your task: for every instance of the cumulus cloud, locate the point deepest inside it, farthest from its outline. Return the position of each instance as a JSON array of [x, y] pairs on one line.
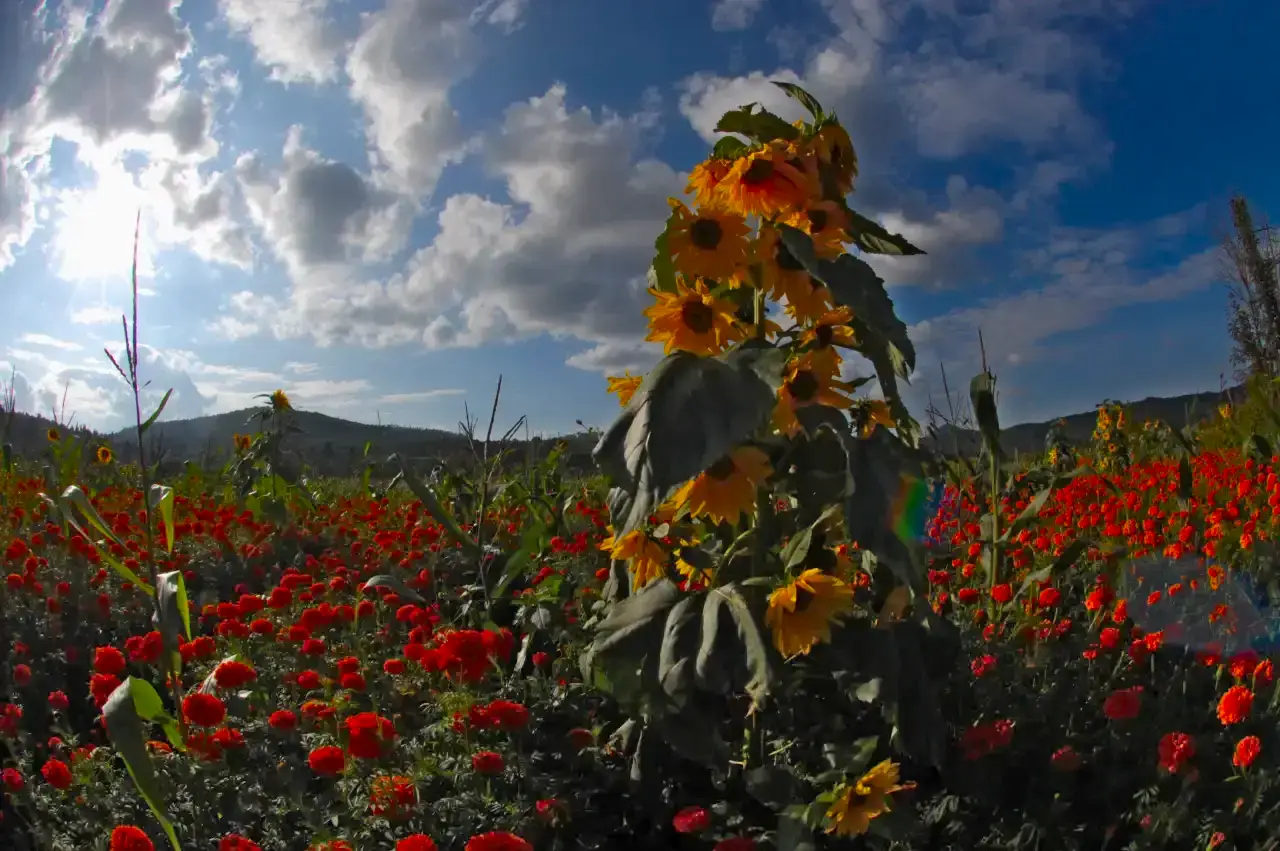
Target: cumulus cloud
[[296, 39], [565, 255], [316, 212], [734, 14]]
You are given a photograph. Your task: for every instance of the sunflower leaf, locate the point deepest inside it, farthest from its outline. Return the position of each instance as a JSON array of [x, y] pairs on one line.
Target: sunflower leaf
[[872, 237], [675, 657], [983, 397], [662, 272], [759, 654], [729, 148], [806, 100], [687, 413], [762, 126]]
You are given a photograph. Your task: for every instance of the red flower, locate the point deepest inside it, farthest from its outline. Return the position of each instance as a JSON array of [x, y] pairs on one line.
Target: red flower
[[1124, 704], [126, 837], [1175, 751], [108, 660], [21, 674], [367, 732], [1247, 750], [283, 719], [57, 774], [507, 715], [329, 759], [487, 762], [497, 841], [1065, 758], [736, 843], [1235, 705], [691, 820], [416, 842], [233, 674], [101, 686], [58, 701], [236, 842], [204, 710], [12, 780]]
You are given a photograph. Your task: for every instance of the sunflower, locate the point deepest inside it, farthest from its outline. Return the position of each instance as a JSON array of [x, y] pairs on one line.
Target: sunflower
[[857, 803], [727, 488], [830, 330], [705, 179], [648, 558], [103, 454], [835, 150], [53, 434], [801, 612], [625, 386], [825, 223], [280, 401], [710, 243], [242, 442], [871, 413], [691, 572], [770, 181], [692, 320]]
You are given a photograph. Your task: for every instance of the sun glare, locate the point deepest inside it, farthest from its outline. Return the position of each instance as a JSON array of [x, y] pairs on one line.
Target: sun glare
[[94, 241]]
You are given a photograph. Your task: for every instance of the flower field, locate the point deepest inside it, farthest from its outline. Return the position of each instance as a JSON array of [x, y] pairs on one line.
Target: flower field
[[751, 630]]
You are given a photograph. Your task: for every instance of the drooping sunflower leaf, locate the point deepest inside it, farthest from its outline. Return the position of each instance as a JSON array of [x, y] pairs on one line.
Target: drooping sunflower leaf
[[874, 238], [806, 100], [729, 148], [404, 592], [432, 506], [687, 413], [676, 656], [762, 126], [131, 704], [160, 497]]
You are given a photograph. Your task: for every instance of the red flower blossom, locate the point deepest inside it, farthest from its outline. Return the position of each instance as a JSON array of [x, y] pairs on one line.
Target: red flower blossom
[[12, 780], [1175, 751], [126, 837], [283, 719], [328, 759], [109, 660], [497, 841], [416, 842], [1235, 704], [1124, 704], [1247, 750], [691, 820], [57, 774], [233, 674], [236, 842], [487, 762], [204, 710], [58, 701]]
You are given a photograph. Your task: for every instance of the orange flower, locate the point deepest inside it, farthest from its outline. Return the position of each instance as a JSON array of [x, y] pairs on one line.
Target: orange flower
[[1235, 704], [1247, 750]]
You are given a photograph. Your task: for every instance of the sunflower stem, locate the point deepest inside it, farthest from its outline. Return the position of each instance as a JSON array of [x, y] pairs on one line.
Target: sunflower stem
[[764, 498]]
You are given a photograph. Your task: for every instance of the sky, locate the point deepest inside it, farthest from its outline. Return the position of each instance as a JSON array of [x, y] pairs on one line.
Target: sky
[[381, 206]]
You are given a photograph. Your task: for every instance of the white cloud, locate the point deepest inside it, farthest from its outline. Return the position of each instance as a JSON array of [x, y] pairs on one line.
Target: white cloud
[[419, 396], [50, 342], [734, 14], [96, 315], [295, 39], [565, 257]]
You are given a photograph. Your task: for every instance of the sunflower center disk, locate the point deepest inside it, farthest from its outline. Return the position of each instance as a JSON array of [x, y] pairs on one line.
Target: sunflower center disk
[[706, 234], [818, 220], [758, 172], [787, 261], [697, 317], [803, 387], [722, 469]]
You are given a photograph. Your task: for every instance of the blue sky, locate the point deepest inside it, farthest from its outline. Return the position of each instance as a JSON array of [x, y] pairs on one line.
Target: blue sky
[[383, 205]]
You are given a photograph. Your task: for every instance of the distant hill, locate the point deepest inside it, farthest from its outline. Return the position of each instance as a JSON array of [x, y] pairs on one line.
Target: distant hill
[[1028, 438], [334, 446]]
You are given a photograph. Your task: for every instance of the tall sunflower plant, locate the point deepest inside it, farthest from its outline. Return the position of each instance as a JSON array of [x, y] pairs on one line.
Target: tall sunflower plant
[[765, 615]]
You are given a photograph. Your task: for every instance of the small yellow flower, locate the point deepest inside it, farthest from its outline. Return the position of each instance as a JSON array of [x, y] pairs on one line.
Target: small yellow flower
[[704, 180], [857, 803], [103, 454], [53, 435], [625, 386], [835, 150], [242, 442], [280, 401]]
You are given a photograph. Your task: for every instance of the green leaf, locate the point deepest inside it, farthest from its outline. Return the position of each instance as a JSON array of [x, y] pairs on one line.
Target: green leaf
[[983, 397], [882, 335], [873, 238], [797, 549], [432, 506], [1259, 447], [806, 100], [625, 640], [675, 657], [80, 500], [155, 415], [1032, 511], [758, 649], [383, 580], [161, 496], [662, 272], [878, 464], [133, 702], [920, 729], [1069, 555], [688, 412], [795, 835], [172, 614], [762, 126], [6, 457], [729, 148]]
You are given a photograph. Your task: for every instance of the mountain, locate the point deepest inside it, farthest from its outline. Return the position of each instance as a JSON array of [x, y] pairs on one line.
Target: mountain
[[1028, 438], [334, 446]]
